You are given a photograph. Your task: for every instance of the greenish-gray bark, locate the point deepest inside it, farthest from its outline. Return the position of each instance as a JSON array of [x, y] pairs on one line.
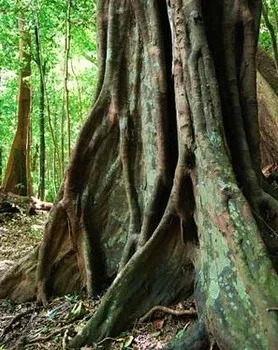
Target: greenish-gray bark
[[164, 194]]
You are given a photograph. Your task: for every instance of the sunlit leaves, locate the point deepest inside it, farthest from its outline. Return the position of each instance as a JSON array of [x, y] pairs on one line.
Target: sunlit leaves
[[50, 16], [271, 10]]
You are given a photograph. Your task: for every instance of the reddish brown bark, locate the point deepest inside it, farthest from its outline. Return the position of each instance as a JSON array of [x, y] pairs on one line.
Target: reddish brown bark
[[163, 194], [17, 175]]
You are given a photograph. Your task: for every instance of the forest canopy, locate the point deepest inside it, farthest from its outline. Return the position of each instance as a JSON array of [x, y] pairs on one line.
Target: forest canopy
[[48, 21], [51, 23]]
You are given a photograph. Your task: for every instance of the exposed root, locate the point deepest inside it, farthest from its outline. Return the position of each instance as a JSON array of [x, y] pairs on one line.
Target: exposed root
[[194, 338], [191, 312]]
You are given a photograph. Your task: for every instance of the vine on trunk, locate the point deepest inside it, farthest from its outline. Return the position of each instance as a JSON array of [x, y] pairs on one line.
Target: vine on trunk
[[170, 195]]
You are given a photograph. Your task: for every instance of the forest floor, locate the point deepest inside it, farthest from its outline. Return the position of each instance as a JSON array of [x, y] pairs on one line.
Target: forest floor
[[29, 326]]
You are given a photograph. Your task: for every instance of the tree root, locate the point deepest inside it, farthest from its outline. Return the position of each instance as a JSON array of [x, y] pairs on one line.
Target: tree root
[[194, 338], [191, 312], [65, 340]]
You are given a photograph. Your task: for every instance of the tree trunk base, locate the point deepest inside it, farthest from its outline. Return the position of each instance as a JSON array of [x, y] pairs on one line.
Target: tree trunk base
[[194, 338]]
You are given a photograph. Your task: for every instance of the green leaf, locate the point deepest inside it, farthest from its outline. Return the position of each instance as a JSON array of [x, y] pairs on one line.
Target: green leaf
[[128, 341], [156, 334], [179, 333]]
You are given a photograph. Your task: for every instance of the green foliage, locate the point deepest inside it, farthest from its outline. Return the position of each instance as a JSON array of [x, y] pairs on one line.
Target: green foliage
[[50, 17], [271, 7]]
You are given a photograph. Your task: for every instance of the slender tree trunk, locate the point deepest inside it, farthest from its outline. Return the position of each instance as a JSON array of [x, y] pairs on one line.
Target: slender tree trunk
[[56, 154], [79, 95], [164, 192], [1, 162], [17, 175], [66, 108], [67, 52], [40, 64]]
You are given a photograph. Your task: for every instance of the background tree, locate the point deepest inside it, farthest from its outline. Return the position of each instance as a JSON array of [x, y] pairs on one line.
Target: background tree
[[270, 22], [1, 162], [9, 62], [66, 104], [17, 175], [50, 18], [41, 67]]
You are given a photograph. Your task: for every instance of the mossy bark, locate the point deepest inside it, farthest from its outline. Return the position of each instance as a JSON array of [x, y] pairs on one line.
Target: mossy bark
[[163, 194]]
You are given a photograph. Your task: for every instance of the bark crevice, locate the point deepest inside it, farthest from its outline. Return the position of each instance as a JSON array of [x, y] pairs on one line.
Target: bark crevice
[[170, 177]]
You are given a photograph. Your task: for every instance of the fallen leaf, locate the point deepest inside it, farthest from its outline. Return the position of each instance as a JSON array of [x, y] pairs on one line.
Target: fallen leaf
[[156, 334], [180, 306], [179, 333], [128, 341]]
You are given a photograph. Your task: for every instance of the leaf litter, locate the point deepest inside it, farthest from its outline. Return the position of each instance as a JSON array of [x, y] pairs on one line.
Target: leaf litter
[[29, 326]]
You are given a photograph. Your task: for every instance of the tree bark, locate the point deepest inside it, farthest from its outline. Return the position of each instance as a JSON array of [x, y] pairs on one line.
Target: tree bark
[[1, 162], [164, 193], [40, 64], [66, 88], [66, 107], [17, 175], [267, 88]]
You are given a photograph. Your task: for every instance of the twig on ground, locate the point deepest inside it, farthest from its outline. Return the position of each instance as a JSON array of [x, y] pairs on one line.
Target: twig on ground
[[44, 346], [14, 319], [191, 312], [5, 317], [47, 337], [65, 339], [272, 309], [108, 338]]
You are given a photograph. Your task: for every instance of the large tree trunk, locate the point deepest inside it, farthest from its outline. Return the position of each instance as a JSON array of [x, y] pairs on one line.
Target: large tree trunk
[[164, 189], [17, 175]]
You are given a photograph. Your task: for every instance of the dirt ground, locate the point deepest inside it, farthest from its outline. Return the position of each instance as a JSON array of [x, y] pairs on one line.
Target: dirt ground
[[29, 326]]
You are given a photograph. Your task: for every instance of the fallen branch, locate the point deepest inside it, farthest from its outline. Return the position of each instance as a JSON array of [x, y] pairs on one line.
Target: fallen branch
[[110, 339], [13, 203], [65, 339], [272, 309], [40, 205], [191, 312]]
